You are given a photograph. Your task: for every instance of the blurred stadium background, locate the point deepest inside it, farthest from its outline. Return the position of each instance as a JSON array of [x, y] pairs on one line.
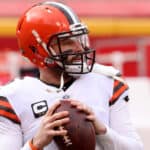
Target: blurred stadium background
[[120, 33]]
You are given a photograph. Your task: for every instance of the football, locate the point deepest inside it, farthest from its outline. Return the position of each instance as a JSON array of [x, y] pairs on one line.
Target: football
[[81, 134]]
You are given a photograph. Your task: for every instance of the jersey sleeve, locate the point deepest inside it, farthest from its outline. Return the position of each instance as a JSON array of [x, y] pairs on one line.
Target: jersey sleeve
[[10, 135], [121, 134], [119, 87], [7, 111]]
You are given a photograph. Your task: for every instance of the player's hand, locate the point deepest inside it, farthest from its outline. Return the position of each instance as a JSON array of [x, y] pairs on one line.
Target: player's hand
[[47, 130], [100, 128]]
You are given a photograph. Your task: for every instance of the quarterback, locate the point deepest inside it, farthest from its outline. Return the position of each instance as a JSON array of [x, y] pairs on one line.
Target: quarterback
[[53, 38]]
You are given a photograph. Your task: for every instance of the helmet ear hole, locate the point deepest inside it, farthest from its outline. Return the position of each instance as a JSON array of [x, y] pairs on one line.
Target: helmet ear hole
[[33, 48]]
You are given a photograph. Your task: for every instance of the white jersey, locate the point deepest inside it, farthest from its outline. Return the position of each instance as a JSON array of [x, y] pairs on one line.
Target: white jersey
[[24, 101]]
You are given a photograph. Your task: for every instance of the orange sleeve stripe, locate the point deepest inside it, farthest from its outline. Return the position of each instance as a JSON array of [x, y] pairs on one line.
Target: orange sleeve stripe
[[10, 116], [116, 82], [5, 104], [119, 92], [32, 146]]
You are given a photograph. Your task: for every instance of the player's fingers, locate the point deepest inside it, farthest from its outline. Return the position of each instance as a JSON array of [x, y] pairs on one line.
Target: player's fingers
[[48, 119], [58, 123], [90, 117], [75, 102], [82, 107], [57, 132], [59, 115], [85, 108], [52, 108], [89, 110]]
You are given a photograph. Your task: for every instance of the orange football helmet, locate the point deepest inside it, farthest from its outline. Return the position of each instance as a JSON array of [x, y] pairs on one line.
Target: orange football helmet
[[48, 22]]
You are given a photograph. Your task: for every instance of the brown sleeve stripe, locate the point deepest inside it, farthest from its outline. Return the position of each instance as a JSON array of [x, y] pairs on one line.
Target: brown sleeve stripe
[[119, 88], [7, 111], [119, 92], [9, 116]]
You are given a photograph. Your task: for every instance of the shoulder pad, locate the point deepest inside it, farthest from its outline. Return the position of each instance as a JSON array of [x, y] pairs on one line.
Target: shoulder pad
[[109, 71], [11, 87]]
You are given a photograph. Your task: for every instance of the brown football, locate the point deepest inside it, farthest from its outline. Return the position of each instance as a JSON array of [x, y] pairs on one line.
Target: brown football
[[81, 134]]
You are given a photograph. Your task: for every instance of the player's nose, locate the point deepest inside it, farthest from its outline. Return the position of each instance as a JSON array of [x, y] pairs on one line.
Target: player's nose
[[78, 47]]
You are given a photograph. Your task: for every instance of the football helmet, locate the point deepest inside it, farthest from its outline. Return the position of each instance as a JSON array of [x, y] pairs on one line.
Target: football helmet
[[49, 23]]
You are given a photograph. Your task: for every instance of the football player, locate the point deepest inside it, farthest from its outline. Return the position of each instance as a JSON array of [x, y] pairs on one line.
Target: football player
[[53, 38]]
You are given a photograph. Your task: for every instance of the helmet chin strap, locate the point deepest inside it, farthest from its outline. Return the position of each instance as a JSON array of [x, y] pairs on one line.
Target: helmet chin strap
[[61, 82]]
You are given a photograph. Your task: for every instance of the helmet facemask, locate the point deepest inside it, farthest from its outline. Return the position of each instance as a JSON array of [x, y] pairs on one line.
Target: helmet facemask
[[74, 62]]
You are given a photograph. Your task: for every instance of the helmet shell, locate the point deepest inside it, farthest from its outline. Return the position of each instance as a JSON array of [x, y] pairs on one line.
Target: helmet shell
[[47, 21]]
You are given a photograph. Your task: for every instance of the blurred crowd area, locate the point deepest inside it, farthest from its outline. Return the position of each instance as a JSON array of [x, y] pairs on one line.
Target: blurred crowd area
[[119, 31]]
